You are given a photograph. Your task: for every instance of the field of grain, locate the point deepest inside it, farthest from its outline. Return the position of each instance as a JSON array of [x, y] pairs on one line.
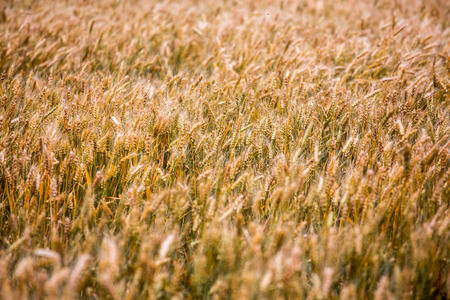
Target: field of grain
[[294, 149]]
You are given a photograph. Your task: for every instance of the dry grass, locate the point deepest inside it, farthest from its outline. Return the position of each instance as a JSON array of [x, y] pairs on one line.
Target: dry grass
[[224, 149]]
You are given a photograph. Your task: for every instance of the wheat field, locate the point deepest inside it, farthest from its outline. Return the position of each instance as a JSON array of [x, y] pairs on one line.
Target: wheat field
[[224, 149]]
